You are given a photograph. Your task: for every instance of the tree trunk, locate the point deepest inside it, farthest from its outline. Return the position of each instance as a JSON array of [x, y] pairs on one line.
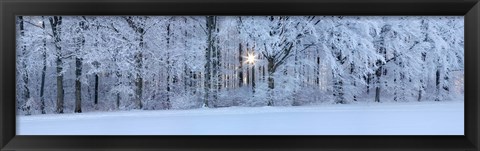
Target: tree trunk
[[194, 83], [339, 92], [419, 95], [169, 70], [216, 66], [437, 85], [253, 78], [139, 80], [42, 83], [263, 73], [352, 71], [55, 22], [208, 61], [186, 75], [78, 86], [164, 106], [138, 27], [117, 84], [378, 73], [78, 72], [96, 90], [60, 92], [271, 82], [240, 63], [248, 76], [118, 101], [446, 83], [44, 71], [377, 94], [211, 57], [317, 81], [26, 93]]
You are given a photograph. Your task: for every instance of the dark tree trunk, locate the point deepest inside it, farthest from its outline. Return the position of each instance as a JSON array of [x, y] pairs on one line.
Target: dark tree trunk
[[96, 83], [378, 73], [119, 76], [339, 92], [169, 70], [42, 83], [216, 66], [263, 73], [78, 86], [186, 75], [56, 22], [190, 81], [437, 85], [377, 94], [194, 83], [26, 93], [207, 80], [78, 72], [118, 101], [352, 70], [419, 95], [138, 27], [208, 57], [253, 78], [139, 79], [240, 62], [139, 91], [60, 91], [96, 90], [240, 57], [44, 71], [317, 81], [369, 77], [248, 76], [271, 82]]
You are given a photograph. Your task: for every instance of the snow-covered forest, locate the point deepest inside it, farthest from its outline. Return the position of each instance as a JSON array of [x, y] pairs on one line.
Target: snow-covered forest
[[75, 64]]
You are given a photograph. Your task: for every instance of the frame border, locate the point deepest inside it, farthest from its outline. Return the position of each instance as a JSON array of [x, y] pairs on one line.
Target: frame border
[[10, 8]]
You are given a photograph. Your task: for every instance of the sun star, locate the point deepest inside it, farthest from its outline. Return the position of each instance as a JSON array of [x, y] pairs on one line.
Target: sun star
[[250, 58]]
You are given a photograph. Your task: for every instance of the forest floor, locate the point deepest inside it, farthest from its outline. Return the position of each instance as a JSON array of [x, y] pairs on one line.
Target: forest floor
[[413, 118]]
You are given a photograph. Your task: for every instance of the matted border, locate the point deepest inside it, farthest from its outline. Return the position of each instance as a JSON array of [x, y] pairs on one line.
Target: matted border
[[10, 8]]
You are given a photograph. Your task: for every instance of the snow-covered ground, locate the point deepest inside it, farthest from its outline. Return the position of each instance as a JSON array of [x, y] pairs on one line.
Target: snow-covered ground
[[418, 118]]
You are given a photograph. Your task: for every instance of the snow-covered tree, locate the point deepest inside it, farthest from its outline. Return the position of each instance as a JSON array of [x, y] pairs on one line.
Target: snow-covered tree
[[276, 37], [181, 62]]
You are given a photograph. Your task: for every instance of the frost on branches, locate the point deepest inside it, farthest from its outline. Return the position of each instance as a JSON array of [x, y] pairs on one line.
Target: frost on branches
[[81, 64]]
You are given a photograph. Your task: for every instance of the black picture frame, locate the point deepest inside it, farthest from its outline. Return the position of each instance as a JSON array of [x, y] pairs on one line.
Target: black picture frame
[[10, 8]]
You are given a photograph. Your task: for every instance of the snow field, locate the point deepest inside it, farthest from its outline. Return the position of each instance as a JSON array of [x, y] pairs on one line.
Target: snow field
[[414, 118]]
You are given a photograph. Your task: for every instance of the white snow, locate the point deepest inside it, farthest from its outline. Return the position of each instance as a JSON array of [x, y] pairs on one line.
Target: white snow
[[414, 118]]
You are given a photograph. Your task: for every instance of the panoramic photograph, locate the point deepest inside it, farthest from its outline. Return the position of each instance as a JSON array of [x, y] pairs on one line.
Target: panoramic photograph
[[240, 75]]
